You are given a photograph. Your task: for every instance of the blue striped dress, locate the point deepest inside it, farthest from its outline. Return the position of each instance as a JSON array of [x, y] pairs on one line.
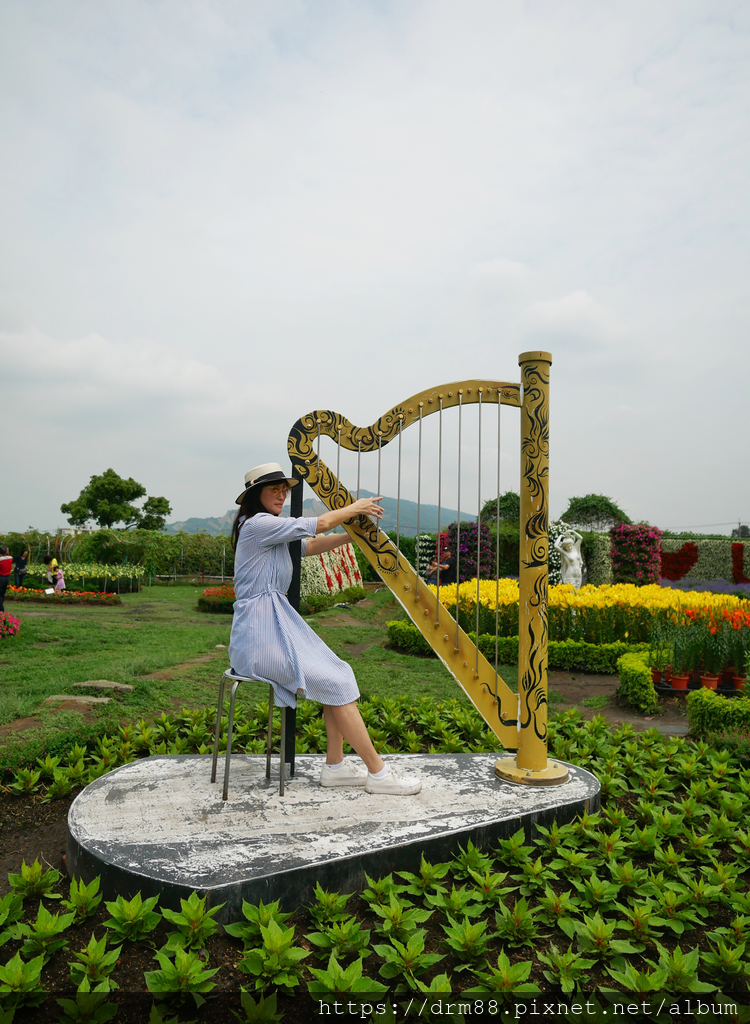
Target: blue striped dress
[[269, 640]]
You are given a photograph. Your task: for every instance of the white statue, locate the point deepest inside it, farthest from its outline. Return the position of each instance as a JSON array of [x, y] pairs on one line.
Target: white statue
[[571, 562]]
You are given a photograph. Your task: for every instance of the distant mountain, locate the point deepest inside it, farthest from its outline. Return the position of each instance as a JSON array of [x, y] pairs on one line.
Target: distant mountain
[[407, 521]]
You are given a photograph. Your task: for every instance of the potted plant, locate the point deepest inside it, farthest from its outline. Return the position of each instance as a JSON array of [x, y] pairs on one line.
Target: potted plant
[[739, 649], [659, 650], [715, 654], [681, 656]]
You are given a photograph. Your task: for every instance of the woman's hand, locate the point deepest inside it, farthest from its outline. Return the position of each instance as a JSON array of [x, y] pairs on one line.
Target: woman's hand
[[367, 507], [335, 517]]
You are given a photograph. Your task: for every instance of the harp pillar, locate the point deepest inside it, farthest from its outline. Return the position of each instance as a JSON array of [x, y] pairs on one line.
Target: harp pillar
[[531, 765]]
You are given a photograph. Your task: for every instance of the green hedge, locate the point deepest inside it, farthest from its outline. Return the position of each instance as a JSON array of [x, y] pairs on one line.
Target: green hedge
[[636, 685], [708, 712], [216, 605], [562, 654]]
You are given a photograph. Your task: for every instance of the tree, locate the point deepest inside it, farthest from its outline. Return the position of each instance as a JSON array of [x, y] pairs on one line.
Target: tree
[[109, 499], [509, 505], [594, 512], [741, 531]]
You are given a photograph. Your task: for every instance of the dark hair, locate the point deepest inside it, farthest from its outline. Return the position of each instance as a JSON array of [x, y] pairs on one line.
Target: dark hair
[[250, 507], [3, 550]]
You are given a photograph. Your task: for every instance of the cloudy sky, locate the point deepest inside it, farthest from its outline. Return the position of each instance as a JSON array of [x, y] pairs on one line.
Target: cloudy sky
[[218, 215]]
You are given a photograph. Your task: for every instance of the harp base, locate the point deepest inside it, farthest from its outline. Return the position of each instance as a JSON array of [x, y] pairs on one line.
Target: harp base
[[555, 774]]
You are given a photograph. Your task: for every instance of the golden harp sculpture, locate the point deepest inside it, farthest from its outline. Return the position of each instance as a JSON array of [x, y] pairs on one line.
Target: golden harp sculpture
[[518, 720]]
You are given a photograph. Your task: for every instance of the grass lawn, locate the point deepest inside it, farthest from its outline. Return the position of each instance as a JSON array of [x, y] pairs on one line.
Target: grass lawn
[[159, 633], [153, 631]]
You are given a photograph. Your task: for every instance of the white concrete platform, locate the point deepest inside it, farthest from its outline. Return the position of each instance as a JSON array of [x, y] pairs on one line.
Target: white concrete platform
[[159, 825]]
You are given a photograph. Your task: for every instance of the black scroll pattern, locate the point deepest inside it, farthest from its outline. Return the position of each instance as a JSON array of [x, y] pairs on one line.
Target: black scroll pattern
[[535, 473]]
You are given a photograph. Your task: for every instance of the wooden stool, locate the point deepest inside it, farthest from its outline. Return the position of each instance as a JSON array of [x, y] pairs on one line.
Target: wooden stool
[[236, 680]]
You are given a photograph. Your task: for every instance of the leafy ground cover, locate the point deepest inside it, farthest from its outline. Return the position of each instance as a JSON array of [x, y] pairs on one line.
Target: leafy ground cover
[[649, 896]]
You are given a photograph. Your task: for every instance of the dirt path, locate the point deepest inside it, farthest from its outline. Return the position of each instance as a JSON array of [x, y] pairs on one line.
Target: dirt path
[[574, 688]]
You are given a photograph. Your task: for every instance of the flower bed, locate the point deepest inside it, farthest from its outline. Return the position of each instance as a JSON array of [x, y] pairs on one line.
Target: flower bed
[[218, 600], [61, 597], [9, 625], [598, 615], [91, 571]]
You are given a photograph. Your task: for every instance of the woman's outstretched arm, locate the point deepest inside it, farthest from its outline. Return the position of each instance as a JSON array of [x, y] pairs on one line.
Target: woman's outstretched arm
[[337, 516], [317, 545]]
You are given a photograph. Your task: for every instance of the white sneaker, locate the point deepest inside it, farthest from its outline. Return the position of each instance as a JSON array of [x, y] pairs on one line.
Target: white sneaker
[[394, 784], [347, 775]]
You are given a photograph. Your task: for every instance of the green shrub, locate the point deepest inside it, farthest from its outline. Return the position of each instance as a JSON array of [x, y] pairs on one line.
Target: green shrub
[[709, 712], [568, 655], [636, 686], [407, 637], [319, 602]]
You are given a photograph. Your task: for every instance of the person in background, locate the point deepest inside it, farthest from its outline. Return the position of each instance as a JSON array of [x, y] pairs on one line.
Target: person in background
[[51, 562], [59, 581], [20, 567], [448, 569], [6, 564]]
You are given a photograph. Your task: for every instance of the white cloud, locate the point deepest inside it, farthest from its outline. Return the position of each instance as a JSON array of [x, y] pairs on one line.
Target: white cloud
[[301, 205], [576, 321]]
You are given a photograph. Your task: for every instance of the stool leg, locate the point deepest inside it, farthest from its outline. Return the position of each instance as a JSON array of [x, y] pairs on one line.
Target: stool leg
[[269, 740], [229, 738], [282, 752], [219, 711]]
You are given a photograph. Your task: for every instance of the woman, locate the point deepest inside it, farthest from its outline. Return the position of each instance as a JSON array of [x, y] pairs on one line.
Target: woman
[[272, 643], [20, 566]]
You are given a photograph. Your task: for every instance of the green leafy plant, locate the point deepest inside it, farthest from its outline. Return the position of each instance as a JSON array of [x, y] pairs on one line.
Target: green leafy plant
[[260, 1011], [336, 980], [513, 850], [194, 923], [566, 969], [680, 970], [60, 787], [489, 889], [728, 962], [468, 860], [532, 876], [44, 936], [342, 938], [469, 940], [132, 920], [518, 927], [11, 910], [428, 879], [84, 899], [400, 918], [380, 890], [94, 963], [456, 902], [642, 921], [20, 984], [595, 937], [88, 1007], [185, 976], [330, 906], [256, 918], [633, 980], [506, 979], [34, 882], [408, 959], [277, 961], [25, 781]]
